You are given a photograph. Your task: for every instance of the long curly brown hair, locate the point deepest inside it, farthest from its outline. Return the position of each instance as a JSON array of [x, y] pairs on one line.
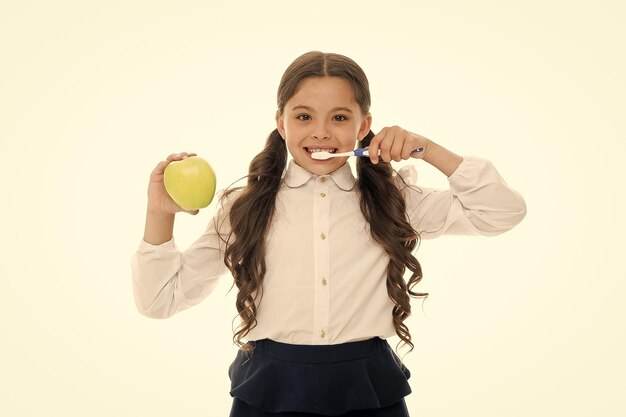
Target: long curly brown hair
[[381, 202]]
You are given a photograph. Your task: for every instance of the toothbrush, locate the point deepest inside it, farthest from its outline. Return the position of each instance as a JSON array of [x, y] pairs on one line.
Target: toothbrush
[[356, 152]]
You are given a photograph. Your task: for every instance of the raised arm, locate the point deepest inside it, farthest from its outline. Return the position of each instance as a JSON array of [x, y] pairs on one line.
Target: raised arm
[[166, 280], [478, 202]]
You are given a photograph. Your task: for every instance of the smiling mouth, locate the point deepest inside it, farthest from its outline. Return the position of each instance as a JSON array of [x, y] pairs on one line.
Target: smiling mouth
[[311, 150]]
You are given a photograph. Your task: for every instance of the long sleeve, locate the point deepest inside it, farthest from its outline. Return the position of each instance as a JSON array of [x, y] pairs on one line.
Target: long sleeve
[[166, 280], [478, 202]]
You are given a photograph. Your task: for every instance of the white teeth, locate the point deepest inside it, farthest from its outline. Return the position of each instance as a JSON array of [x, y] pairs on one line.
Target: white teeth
[[311, 150]]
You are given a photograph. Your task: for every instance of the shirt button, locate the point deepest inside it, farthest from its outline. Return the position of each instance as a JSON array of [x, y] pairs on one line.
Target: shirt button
[[323, 236], [323, 179], [324, 281], [323, 334], [323, 194]]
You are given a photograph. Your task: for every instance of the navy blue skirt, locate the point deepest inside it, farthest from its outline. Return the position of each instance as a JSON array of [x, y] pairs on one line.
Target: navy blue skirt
[[364, 378]]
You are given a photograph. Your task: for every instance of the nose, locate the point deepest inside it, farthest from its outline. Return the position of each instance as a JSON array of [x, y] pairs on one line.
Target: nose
[[321, 131]]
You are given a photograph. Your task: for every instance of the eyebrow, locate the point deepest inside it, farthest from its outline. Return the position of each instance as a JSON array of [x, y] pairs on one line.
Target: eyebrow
[[302, 106]]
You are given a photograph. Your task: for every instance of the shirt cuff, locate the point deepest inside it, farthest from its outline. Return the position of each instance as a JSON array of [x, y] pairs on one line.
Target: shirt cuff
[[149, 247], [472, 172]]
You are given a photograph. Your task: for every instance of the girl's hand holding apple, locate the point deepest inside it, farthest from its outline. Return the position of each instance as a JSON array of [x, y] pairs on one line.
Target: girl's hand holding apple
[[159, 201]]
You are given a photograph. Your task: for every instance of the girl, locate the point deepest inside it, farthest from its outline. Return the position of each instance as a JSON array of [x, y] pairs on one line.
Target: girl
[[318, 255]]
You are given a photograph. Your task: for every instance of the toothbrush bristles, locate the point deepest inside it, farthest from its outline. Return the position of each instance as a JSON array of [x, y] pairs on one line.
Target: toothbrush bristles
[[321, 155]]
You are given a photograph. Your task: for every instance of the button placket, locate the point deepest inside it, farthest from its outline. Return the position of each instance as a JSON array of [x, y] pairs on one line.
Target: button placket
[[322, 259]]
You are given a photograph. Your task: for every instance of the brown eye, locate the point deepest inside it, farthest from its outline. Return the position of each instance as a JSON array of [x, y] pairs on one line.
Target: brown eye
[[342, 118], [302, 115]]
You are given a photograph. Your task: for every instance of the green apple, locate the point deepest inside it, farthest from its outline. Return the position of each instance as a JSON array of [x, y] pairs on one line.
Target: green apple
[[190, 182]]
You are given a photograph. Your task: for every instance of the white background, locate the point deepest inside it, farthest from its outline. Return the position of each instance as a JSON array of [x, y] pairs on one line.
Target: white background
[[94, 94]]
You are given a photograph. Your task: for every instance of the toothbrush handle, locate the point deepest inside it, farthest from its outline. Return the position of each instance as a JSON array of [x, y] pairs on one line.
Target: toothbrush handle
[[361, 152], [365, 151]]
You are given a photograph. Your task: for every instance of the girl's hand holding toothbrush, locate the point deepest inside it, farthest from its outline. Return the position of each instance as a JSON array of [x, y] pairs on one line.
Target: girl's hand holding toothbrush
[[397, 144]]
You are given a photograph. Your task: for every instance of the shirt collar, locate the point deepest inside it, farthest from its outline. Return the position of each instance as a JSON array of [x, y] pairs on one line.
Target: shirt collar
[[295, 176]]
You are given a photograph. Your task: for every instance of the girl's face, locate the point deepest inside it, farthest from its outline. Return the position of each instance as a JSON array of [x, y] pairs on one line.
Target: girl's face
[[322, 115]]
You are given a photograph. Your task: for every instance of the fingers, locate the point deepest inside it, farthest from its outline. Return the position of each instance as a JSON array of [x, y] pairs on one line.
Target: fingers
[[160, 168], [389, 140], [406, 150], [395, 143], [179, 156], [374, 145], [396, 149]]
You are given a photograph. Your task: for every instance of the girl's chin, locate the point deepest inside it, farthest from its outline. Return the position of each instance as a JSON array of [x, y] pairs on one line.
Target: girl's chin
[[321, 169]]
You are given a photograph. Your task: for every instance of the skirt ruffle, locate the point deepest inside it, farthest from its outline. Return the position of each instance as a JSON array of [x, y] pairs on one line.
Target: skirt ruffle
[[319, 379]]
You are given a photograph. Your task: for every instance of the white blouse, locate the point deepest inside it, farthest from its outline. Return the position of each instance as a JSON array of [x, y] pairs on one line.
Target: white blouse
[[326, 278]]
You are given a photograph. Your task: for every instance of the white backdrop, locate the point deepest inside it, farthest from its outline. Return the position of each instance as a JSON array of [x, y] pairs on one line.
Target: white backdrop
[[94, 94]]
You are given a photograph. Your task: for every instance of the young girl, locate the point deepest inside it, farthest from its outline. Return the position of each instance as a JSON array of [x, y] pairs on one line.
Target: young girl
[[318, 255]]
